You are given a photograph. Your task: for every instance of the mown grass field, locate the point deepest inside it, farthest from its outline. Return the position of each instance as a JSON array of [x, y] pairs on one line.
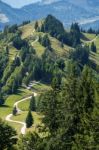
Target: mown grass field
[[97, 44], [89, 36], [28, 32], [56, 45], [93, 56], [41, 88], [8, 107], [24, 106], [22, 117], [39, 48]]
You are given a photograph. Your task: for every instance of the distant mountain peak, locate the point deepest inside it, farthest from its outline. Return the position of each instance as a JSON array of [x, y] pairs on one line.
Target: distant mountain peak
[[49, 1]]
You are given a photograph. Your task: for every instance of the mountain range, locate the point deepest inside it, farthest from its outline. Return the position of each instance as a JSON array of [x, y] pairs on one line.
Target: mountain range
[[85, 12]]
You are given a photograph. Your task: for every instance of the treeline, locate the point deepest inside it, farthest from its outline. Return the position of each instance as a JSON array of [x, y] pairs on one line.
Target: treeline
[[90, 30], [28, 66], [55, 28], [70, 114], [70, 109]]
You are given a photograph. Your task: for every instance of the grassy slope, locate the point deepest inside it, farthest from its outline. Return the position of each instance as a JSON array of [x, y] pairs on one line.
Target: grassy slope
[[7, 109], [28, 33], [93, 56], [22, 117], [89, 36], [24, 106]]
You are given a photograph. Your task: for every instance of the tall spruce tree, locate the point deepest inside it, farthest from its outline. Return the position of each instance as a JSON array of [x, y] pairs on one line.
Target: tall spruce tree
[[36, 25], [14, 111], [32, 104], [7, 136], [86, 95], [29, 119], [93, 47]]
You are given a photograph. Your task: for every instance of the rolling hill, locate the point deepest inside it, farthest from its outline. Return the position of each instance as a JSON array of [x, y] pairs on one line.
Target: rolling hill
[[42, 58]]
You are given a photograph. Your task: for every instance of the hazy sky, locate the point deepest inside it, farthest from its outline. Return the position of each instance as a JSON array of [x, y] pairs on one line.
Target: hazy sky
[[19, 3]]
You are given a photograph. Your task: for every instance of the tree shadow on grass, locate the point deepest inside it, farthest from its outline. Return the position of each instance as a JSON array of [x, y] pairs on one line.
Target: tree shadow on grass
[[19, 92], [5, 106], [84, 37]]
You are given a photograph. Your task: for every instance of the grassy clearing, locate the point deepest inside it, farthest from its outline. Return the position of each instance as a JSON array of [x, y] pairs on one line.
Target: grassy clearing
[[97, 44], [24, 106], [7, 108], [56, 45], [41, 88], [89, 36], [22, 117], [12, 53], [27, 30], [39, 48], [93, 56]]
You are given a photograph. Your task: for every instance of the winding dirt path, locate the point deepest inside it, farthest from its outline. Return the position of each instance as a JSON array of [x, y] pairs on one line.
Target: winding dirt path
[[8, 117]]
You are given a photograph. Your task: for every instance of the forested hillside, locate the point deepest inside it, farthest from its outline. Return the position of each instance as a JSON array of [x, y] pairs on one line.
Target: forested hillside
[[49, 87]]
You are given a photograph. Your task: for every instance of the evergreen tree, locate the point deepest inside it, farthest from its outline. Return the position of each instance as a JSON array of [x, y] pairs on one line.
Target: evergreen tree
[[14, 111], [17, 61], [7, 136], [1, 100], [7, 50], [75, 34], [61, 64], [31, 141], [32, 104], [48, 105], [29, 120], [88, 90], [14, 86], [56, 82], [36, 25], [62, 44], [80, 55], [93, 47]]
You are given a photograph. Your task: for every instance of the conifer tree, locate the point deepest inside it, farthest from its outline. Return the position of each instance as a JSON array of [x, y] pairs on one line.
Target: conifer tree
[[14, 111], [29, 119], [36, 25], [7, 50], [1, 99], [7, 136], [93, 47], [32, 104]]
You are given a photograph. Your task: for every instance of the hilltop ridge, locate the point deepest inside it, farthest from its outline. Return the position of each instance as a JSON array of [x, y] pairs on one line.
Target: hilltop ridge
[[66, 11]]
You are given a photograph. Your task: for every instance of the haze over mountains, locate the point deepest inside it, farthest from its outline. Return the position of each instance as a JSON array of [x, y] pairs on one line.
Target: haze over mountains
[[85, 12]]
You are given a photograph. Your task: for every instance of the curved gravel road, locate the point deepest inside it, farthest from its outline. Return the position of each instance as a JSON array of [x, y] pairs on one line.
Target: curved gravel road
[[8, 117]]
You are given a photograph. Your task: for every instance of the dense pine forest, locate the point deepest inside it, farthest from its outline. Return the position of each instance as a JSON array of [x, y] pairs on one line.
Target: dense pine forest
[[57, 70]]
